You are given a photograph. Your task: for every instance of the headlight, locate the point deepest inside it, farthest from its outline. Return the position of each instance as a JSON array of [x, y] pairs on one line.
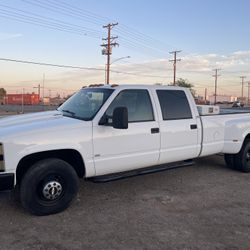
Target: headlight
[[2, 167]]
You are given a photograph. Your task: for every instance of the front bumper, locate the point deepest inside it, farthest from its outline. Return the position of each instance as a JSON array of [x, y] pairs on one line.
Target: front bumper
[[6, 181]]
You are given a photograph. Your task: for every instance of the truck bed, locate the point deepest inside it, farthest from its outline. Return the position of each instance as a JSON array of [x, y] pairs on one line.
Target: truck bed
[[227, 111]]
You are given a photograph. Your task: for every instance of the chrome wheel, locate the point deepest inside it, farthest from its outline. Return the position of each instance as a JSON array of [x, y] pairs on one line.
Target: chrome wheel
[[52, 190]]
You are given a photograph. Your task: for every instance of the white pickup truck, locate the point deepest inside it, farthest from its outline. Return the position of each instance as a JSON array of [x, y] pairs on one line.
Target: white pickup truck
[[105, 130]]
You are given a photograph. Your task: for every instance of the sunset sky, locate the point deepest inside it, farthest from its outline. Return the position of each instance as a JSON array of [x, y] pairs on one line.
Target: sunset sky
[[211, 34]]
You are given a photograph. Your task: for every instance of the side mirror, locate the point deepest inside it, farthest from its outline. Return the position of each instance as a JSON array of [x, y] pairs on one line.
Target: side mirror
[[120, 118]]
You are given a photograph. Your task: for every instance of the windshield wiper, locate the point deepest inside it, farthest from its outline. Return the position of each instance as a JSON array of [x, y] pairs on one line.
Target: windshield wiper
[[68, 111]]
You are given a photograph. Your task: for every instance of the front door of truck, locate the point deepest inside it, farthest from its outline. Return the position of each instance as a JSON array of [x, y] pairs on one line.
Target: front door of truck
[[117, 150]]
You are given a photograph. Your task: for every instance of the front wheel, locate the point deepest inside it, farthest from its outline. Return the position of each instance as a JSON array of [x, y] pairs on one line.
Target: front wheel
[[48, 187]]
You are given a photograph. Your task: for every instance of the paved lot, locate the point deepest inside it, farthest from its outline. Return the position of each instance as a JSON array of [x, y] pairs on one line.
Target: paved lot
[[205, 206]]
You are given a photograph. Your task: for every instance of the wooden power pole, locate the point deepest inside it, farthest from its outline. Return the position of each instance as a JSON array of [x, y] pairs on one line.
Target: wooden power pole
[[175, 60], [107, 48], [248, 85], [215, 84], [242, 86]]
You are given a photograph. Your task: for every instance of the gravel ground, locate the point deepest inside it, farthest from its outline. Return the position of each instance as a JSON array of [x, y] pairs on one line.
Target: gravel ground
[[205, 206]]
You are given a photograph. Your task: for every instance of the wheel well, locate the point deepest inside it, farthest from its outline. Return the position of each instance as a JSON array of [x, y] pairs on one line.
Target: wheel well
[[71, 156], [247, 137], [244, 142]]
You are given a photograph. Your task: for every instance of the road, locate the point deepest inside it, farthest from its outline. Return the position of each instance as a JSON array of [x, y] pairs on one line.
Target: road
[[17, 109], [205, 206]]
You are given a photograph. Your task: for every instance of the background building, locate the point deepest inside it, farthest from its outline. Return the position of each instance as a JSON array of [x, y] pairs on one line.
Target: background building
[[223, 99], [18, 99]]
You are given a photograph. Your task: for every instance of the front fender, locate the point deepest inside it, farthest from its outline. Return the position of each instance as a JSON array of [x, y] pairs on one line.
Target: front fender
[[78, 138]]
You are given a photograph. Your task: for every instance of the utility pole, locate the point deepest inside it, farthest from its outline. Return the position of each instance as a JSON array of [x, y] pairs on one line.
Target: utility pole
[[39, 90], [248, 84], [107, 48], [242, 86], [43, 88], [175, 60], [205, 95], [22, 101], [43, 84], [215, 84]]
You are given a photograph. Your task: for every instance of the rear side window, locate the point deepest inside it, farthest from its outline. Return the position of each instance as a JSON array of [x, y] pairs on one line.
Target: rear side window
[[138, 103], [174, 104]]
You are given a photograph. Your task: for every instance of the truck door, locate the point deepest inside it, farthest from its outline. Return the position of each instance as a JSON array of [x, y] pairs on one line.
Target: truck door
[[117, 150], [178, 125]]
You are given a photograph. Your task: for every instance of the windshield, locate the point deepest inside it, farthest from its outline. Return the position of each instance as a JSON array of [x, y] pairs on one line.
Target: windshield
[[86, 103]]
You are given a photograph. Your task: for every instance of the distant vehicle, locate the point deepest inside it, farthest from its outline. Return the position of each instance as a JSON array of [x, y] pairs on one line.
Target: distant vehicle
[[238, 104]]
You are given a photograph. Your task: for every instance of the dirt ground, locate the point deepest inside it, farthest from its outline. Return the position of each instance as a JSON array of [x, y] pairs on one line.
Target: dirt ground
[[205, 206]]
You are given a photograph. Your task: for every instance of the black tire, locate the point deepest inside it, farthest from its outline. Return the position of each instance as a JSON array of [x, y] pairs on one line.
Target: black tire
[[242, 159], [48, 187], [230, 161]]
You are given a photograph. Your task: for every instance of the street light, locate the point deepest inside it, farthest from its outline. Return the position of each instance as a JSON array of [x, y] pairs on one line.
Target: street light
[[121, 58], [116, 60]]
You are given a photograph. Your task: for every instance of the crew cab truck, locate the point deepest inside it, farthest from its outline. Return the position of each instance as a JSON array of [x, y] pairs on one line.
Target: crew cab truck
[[104, 130]]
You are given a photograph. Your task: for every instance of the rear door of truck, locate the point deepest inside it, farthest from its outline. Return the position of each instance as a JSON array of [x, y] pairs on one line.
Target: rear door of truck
[[179, 125]]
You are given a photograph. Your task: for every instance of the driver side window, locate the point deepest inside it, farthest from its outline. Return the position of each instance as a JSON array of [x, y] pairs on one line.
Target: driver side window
[[138, 103]]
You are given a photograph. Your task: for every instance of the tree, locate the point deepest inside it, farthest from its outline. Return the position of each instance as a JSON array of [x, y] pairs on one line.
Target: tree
[[2, 93], [184, 83]]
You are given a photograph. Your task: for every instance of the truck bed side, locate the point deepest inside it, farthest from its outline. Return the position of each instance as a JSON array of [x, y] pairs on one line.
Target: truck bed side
[[224, 133]]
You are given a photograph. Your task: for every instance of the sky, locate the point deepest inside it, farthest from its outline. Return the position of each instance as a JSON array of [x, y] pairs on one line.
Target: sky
[[210, 34]]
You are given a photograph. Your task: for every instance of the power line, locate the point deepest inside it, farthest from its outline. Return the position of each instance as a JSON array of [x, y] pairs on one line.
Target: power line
[[90, 17], [70, 10], [35, 19], [46, 19], [7, 16], [72, 28], [131, 36], [65, 10], [141, 44], [50, 64], [128, 31], [78, 67], [55, 24]]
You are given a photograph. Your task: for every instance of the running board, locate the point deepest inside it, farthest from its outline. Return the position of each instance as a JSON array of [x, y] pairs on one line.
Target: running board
[[142, 171]]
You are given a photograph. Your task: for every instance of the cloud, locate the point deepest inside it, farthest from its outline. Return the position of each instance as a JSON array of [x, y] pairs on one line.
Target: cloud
[[208, 62], [7, 36], [196, 68]]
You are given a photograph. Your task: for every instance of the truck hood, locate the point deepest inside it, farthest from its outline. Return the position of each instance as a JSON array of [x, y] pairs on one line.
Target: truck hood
[[41, 122], [28, 118]]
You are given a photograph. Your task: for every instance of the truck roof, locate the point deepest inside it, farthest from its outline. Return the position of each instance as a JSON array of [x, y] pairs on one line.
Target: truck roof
[[134, 86]]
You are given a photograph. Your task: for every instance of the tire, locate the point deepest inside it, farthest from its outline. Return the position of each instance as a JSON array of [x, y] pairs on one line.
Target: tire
[[230, 161], [48, 187], [242, 159]]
